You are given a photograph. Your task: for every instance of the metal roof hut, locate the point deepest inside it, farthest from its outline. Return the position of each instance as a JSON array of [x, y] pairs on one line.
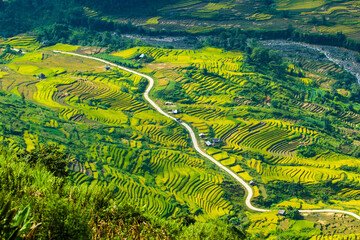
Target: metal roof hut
[[281, 212], [216, 140], [41, 76]]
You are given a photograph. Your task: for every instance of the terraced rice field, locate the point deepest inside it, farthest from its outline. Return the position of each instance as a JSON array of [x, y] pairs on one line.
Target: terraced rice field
[[353, 236], [215, 81], [77, 95], [179, 179], [264, 137], [303, 174], [22, 42], [8, 56], [150, 165], [92, 95], [222, 77]]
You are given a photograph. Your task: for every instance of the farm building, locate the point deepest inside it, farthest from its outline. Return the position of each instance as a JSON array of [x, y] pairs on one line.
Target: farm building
[[202, 135], [107, 68], [174, 111], [41, 76], [216, 140], [142, 56], [281, 212], [252, 183], [208, 143], [168, 103]]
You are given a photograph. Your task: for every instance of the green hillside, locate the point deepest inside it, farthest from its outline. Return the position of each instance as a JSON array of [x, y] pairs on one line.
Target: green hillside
[[104, 123], [38, 203], [290, 127], [317, 17]]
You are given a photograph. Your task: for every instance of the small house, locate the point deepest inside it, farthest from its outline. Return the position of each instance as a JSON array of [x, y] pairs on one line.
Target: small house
[[168, 103], [208, 143], [281, 212], [178, 119], [174, 111], [142, 56], [252, 183], [107, 68], [216, 140], [41, 76], [202, 135]]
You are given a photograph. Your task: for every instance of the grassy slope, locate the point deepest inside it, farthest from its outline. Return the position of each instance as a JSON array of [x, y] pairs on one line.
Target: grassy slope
[[132, 139]]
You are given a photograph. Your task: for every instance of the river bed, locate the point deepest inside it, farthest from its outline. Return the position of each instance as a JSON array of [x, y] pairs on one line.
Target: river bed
[[344, 58]]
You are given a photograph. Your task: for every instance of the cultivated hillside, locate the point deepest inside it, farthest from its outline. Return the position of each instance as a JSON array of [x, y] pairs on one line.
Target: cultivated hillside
[[292, 128]]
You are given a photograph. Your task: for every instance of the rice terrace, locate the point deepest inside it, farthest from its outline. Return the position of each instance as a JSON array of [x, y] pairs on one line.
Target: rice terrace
[[180, 119]]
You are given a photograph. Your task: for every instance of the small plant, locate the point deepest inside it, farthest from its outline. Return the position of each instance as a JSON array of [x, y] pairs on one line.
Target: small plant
[[14, 224]]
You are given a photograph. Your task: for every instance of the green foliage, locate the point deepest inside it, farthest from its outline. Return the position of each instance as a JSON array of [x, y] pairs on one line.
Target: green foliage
[[279, 191], [306, 151], [61, 211], [119, 60], [52, 34], [212, 231], [174, 94], [14, 224], [142, 86], [48, 156], [293, 213], [63, 220], [268, 59]]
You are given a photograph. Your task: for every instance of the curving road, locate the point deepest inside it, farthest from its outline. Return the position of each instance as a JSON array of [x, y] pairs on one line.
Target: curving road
[[196, 144]]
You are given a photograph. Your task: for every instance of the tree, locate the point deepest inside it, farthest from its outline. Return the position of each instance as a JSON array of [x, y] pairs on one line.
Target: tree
[[324, 197], [48, 156], [323, 20], [142, 86], [7, 48], [306, 151], [293, 213], [260, 55], [314, 21]]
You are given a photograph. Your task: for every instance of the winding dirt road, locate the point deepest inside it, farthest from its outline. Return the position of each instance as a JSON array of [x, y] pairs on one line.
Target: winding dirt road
[[196, 144]]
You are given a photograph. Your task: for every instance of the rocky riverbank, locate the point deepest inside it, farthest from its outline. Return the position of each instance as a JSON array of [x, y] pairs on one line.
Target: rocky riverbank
[[344, 58]]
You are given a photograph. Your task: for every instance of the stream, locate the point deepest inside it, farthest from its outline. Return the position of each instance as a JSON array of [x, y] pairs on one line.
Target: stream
[[344, 58]]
